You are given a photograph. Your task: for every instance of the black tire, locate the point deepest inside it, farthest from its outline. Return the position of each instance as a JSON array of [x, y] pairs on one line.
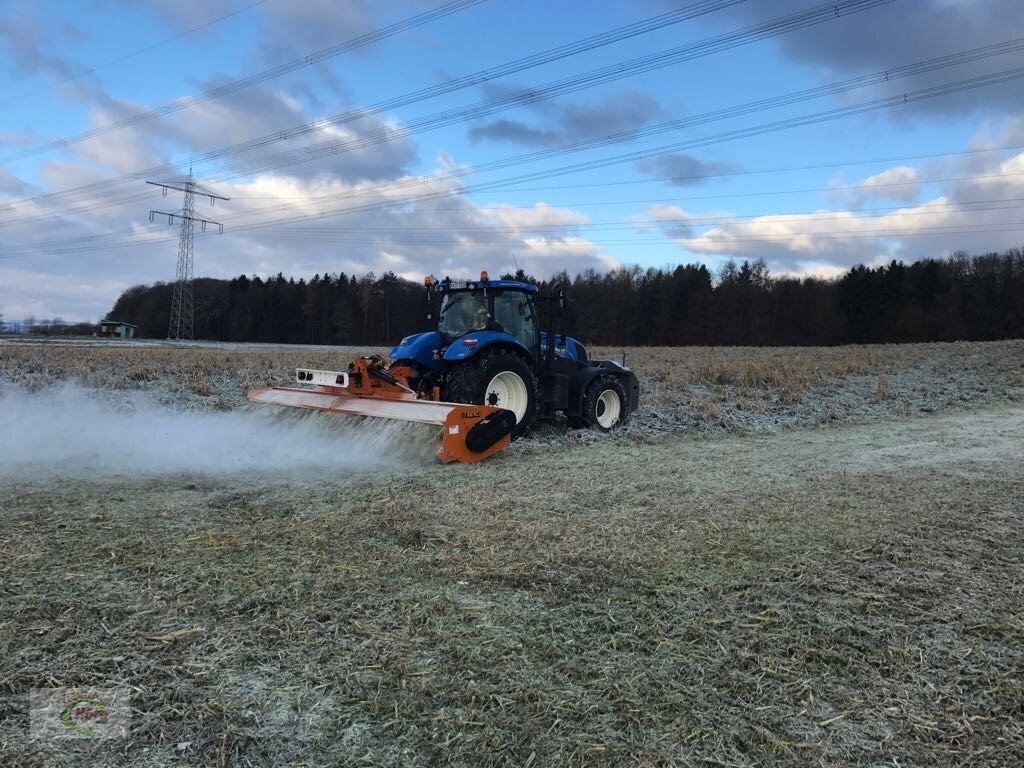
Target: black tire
[[594, 409], [468, 382]]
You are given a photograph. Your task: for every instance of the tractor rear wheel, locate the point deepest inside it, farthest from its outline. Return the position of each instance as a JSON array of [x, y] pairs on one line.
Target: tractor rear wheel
[[500, 379], [604, 404]]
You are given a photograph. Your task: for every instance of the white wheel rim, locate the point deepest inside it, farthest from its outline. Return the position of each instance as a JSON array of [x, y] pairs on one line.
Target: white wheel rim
[[508, 390], [609, 408]]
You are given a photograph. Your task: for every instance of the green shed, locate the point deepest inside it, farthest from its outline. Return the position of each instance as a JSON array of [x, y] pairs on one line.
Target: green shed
[[115, 329]]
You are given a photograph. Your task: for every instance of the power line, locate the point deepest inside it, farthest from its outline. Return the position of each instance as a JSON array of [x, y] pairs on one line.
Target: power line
[[944, 89], [477, 78], [654, 179], [786, 169], [783, 23], [933, 209], [923, 209], [137, 52], [733, 135], [453, 6], [716, 115], [431, 236], [607, 74], [771, 192], [940, 90], [727, 174], [832, 234], [712, 236], [780, 25], [932, 92], [766, 193], [569, 230]]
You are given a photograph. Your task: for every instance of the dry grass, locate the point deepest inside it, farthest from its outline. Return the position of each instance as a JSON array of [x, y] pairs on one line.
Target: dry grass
[[758, 388], [734, 612], [748, 367], [881, 389], [764, 367], [742, 388], [219, 375], [732, 601], [787, 369]]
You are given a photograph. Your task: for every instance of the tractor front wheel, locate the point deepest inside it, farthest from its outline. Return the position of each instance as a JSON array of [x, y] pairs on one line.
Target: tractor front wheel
[[604, 404], [499, 379]]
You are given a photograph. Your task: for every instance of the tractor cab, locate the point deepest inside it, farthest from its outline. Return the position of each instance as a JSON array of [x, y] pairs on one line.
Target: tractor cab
[[500, 306]]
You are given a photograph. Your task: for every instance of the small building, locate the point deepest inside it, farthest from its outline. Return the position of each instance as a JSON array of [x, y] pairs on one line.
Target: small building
[[115, 329]]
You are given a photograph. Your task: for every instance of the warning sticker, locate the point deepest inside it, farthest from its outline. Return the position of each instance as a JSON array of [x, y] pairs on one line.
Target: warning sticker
[[453, 430]]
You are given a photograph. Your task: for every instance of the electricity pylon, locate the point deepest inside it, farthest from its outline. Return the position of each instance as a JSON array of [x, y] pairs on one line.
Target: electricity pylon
[[182, 314]]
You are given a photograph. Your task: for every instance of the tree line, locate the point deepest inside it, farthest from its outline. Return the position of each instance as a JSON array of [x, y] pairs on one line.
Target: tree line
[[56, 326], [962, 297]]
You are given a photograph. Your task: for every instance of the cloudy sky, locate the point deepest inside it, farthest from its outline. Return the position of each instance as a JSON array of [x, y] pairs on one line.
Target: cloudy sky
[[425, 136]]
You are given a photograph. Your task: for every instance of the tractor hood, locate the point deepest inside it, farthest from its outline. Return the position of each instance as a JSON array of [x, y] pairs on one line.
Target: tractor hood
[[423, 348]]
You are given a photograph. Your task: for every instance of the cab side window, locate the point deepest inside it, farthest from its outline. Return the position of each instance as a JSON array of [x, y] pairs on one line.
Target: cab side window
[[513, 311]]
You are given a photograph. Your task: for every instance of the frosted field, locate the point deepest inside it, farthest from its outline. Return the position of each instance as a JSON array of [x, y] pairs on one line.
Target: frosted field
[[791, 557]]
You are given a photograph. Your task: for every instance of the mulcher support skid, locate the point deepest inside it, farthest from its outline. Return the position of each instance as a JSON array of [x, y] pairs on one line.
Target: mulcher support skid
[[470, 432]]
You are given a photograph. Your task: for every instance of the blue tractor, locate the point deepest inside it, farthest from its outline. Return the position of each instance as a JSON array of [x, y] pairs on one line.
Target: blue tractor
[[489, 349]]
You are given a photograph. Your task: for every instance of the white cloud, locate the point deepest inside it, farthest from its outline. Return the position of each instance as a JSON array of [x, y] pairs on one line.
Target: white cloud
[[540, 217], [977, 214], [562, 247], [901, 184], [325, 224], [26, 291], [670, 219], [934, 228]]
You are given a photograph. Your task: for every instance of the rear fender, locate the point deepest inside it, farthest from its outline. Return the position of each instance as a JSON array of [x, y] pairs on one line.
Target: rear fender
[[472, 344]]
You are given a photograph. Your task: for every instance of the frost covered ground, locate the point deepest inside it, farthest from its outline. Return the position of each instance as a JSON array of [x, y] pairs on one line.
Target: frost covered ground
[[683, 389], [791, 557]]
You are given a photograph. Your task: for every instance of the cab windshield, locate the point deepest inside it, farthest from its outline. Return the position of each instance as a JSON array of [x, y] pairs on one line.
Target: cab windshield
[[462, 313]]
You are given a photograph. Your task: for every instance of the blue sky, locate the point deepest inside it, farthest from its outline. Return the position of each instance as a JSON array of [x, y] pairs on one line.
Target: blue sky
[[907, 181]]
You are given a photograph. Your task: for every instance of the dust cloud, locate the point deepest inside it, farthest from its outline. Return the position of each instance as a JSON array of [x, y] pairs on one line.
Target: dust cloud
[[71, 431]]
